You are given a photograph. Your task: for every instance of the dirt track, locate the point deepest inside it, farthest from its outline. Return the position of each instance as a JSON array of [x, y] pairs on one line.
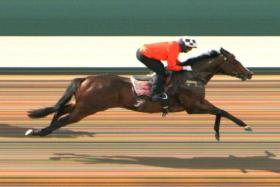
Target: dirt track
[[124, 148]]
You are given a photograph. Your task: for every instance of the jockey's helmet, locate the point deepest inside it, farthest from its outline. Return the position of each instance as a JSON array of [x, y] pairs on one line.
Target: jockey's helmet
[[189, 42]]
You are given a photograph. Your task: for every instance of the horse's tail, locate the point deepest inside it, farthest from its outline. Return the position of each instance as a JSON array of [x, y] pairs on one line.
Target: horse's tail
[[70, 91]]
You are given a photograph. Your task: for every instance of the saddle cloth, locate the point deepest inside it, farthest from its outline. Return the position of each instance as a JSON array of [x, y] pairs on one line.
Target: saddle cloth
[[142, 86]]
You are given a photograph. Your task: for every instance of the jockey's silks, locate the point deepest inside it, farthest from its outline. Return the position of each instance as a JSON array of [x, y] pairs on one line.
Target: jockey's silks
[[167, 51]]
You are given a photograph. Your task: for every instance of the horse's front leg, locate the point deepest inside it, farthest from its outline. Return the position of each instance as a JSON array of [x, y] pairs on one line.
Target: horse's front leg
[[217, 127], [198, 107], [229, 116], [201, 109], [206, 107]]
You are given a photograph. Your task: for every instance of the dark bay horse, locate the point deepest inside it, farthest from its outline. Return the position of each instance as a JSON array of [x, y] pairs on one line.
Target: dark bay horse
[[100, 92]]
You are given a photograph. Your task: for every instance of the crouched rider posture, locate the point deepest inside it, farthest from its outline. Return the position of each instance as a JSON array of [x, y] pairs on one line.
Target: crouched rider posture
[[151, 56]]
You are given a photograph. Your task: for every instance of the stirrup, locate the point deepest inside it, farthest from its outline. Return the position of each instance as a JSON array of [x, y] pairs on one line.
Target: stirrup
[[165, 96], [160, 97]]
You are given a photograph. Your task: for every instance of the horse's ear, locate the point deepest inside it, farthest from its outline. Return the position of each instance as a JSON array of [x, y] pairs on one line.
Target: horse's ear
[[223, 51]]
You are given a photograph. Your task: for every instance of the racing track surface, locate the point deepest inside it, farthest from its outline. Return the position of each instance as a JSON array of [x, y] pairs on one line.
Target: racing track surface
[[124, 148]]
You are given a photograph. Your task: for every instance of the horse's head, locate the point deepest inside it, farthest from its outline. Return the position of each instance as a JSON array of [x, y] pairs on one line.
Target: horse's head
[[233, 67]]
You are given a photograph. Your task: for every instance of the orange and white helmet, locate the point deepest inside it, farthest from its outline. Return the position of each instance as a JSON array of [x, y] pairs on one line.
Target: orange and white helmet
[[189, 42]]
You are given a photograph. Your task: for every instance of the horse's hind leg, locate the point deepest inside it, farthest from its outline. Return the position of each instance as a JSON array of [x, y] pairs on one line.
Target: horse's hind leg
[[66, 109], [58, 122]]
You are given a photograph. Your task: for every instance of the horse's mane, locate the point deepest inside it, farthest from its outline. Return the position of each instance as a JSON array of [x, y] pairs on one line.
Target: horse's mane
[[210, 54]]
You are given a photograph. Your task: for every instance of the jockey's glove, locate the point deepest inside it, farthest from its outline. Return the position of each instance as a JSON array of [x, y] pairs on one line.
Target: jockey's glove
[[187, 68]]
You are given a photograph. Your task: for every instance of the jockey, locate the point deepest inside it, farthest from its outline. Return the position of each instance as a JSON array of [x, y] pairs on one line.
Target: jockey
[[151, 56]]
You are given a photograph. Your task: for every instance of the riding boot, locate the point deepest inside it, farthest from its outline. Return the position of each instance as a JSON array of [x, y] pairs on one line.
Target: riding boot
[[158, 93]]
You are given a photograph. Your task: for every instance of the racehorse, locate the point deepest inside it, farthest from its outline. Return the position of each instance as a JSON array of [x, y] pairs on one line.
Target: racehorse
[[100, 92]]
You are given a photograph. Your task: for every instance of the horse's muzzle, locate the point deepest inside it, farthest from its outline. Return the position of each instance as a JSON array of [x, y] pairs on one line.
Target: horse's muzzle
[[246, 76], [250, 75]]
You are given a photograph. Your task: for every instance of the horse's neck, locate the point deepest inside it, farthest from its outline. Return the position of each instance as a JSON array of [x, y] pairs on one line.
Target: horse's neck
[[203, 71], [205, 77], [179, 77], [208, 70]]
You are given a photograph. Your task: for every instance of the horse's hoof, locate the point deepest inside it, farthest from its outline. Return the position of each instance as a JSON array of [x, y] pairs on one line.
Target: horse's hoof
[[248, 128], [29, 132], [217, 136]]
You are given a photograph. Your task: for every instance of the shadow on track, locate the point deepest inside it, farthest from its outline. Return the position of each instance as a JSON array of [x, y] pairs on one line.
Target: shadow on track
[[267, 162], [7, 130]]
